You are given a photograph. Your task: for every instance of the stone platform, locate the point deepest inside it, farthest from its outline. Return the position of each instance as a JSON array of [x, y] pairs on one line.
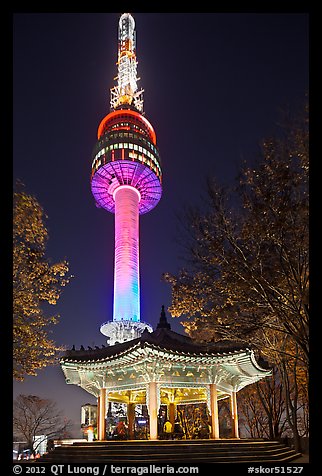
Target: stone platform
[[177, 451]]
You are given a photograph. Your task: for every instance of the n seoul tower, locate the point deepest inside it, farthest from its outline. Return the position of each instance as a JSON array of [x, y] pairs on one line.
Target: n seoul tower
[[126, 180]]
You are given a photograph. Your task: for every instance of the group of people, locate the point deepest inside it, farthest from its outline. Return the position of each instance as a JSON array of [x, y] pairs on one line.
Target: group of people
[[169, 431], [175, 432], [28, 456], [172, 432]]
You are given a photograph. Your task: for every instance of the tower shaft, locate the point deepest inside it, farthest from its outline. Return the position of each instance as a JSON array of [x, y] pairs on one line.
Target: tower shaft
[[126, 272]]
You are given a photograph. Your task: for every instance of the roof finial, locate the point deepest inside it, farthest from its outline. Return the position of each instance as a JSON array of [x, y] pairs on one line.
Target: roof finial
[[163, 323]]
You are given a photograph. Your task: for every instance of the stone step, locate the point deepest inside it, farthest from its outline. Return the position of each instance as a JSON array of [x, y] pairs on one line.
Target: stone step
[[160, 443], [145, 451], [170, 450]]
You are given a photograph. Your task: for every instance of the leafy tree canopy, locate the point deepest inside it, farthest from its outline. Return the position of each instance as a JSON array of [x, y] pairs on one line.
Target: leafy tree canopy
[[35, 281], [247, 252]]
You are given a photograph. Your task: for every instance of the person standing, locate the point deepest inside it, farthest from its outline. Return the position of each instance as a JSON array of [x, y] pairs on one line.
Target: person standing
[[177, 430], [121, 431], [167, 429]]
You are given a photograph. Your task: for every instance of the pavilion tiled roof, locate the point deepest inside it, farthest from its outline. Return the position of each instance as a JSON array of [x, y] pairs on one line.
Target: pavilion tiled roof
[[164, 338], [129, 364]]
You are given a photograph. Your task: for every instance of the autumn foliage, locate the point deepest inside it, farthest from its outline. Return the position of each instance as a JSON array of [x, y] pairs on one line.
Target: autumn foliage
[[35, 281], [247, 254]]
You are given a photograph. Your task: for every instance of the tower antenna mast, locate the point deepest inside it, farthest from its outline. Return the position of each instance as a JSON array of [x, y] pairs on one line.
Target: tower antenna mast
[[126, 91]]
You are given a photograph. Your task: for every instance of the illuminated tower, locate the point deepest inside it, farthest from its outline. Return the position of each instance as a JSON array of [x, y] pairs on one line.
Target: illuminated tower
[[126, 180]]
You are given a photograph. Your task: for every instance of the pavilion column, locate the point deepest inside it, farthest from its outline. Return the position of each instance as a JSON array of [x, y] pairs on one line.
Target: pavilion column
[[214, 412], [98, 416], [153, 410], [131, 418], [234, 415], [101, 414], [171, 415]]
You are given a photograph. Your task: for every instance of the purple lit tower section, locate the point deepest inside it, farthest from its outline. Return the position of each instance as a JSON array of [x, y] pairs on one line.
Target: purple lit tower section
[[126, 180]]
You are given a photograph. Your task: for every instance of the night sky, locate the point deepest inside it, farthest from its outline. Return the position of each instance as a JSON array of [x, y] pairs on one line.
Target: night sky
[[214, 83]]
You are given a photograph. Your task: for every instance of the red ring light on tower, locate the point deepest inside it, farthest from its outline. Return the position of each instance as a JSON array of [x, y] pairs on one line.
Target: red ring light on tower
[[129, 112]]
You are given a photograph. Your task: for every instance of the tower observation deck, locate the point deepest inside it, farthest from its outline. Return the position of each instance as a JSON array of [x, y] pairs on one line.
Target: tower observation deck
[[126, 180]]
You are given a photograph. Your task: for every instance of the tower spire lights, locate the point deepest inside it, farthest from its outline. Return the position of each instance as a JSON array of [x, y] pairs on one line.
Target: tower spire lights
[[126, 91], [126, 180]]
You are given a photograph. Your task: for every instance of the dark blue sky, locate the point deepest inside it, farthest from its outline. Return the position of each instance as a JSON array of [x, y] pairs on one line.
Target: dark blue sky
[[214, 87]]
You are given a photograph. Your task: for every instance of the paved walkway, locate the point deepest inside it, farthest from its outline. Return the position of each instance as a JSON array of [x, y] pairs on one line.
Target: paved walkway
[[303, 459]]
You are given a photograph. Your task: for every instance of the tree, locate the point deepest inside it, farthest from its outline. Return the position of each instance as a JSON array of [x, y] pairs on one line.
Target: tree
[[34, 416], [35, 281], [247, 273], [262, 408], [295, 386], [247, 260]]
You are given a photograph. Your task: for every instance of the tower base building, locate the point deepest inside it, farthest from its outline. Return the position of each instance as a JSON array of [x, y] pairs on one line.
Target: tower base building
[[118, 332]]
